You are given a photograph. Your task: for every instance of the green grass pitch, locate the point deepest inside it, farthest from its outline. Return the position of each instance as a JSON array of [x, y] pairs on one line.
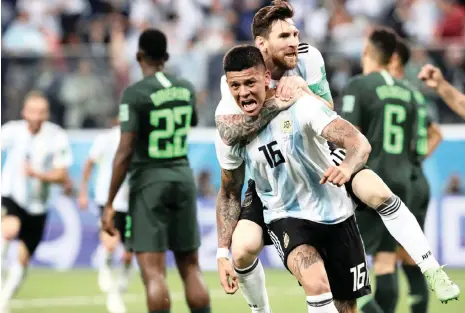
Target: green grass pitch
[[46, 291]]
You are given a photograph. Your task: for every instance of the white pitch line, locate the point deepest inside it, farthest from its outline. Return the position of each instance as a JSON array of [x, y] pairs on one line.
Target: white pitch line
[[100, 300]]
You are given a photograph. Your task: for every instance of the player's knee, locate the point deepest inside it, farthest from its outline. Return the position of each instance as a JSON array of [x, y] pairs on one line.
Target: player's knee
[[384, 263], [109, 242], [127, 257], [10, 227], [370, 188], [245, 253], [247, 242], [315, 286]]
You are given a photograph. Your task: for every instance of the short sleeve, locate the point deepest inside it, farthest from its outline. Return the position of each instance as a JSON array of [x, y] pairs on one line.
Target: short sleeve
[[313, 113], [62, 156], [98, 148], [226, 157], [128, 115], [352, 104], [315, 71], [227, 105], [8, 134]]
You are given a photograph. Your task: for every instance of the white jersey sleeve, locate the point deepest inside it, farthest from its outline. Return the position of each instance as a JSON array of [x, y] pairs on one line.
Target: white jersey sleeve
[[312, 67], [313, 113], [62, 156], [227, 105], [8, 134], [97, 150], [226, 157]]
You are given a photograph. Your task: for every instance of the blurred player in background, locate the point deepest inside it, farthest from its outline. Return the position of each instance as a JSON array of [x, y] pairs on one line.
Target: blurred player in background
[[156, 115], [39, 155], [384, 109], [277, 38], [311, 223], [434, 79], [428, 137], [101, 154]]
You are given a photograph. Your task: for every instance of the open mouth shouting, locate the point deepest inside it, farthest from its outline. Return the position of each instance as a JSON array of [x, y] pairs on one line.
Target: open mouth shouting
[[249, 105]]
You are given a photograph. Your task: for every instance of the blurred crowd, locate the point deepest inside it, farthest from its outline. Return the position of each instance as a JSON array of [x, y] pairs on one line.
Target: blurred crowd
[[81, 53]]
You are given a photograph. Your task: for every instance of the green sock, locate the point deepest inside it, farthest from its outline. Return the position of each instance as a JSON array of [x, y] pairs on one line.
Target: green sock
[[367, 304], [203, 310], [419, 292], [387, 292]]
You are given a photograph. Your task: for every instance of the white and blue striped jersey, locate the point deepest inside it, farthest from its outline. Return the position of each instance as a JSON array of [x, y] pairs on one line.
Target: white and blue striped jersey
[[287, 160]]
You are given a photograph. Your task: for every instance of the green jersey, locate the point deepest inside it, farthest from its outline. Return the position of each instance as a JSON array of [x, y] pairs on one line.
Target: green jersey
[[423, 121], [384, 110], [160, 109]]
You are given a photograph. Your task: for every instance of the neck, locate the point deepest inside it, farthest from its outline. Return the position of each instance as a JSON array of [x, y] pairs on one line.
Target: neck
[[152, 70], [270, 93], [398, 73], [33, 131], [276, 71], [374, 69]]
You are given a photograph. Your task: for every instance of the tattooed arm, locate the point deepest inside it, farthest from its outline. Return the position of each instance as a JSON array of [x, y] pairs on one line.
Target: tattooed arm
[[237, 128], [346, 136], [228, 204]]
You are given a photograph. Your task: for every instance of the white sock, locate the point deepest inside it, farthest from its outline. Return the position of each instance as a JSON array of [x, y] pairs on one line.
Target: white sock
[[107, 258], [4, 244], [252, 284], [404, 227], [15, 278], [321, 304]]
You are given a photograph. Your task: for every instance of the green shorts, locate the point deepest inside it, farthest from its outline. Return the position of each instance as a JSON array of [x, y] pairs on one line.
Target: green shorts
[[419, 204], [163, 216], [375, 235]]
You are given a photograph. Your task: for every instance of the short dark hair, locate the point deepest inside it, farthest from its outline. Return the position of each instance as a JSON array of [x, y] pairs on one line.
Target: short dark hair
[[403, 50], [266, 16], [385, 41], [241, 58], [154, 44]]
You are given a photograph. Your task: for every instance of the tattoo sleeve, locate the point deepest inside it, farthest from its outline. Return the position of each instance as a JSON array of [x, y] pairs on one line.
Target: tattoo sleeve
[[228, 204], [454, 99], [237, 128], [346, 136]]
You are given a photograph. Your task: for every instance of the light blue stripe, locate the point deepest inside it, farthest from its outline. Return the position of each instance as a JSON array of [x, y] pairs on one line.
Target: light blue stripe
[[320, 194]]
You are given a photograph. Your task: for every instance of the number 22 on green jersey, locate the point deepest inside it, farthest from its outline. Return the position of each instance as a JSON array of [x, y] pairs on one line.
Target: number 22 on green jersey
[[180, 115]]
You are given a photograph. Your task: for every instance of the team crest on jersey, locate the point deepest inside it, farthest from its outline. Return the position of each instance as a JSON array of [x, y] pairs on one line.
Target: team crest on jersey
[[286, 240], [286, 126]]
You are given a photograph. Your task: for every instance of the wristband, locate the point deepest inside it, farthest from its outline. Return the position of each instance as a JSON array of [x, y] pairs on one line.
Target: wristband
[[222, 253]]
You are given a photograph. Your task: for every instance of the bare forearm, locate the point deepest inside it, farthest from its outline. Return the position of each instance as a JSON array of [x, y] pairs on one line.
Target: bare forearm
[[346, 136], [86, 176], [236, 128], [56, 176], [434, 137], [452, 97], [120, 169], [227, 214]]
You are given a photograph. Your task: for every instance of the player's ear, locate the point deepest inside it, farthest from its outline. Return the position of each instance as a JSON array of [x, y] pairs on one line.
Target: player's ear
[[267, 78], [261, 43], [139, 56]]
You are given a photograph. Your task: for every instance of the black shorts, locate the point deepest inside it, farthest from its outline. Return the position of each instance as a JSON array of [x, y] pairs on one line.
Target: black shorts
[[360, 205], [32, 225], [339, 245], [120, 222], [252, 210]]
